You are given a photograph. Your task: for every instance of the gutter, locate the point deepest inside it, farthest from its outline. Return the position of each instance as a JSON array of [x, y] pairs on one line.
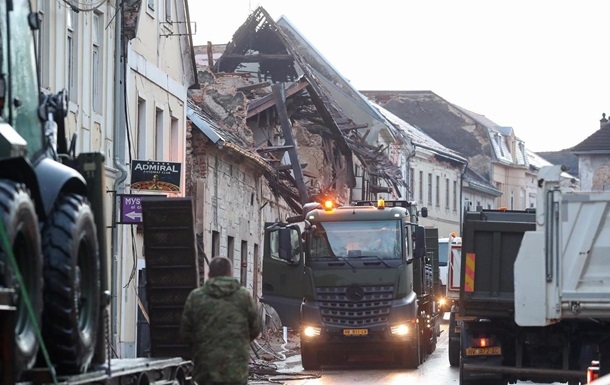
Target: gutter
[[190, 39]]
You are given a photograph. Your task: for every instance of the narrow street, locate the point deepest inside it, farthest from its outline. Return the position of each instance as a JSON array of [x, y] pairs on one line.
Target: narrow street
[[367, 370], [370, 370]]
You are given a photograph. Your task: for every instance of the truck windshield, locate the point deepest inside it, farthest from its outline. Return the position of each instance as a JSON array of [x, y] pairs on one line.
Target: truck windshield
[[354, 240]]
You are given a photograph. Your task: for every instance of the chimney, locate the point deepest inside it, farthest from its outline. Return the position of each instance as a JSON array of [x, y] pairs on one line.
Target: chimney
[[603, 120]]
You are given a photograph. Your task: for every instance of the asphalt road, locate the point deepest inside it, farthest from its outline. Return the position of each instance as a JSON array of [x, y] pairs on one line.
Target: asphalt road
[[369, 370]]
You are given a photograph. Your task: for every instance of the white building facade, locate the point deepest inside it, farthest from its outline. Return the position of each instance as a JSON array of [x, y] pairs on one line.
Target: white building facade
[[127, 100]]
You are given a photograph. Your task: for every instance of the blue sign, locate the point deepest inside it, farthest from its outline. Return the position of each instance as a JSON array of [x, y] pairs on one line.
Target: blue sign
[[130, 209]]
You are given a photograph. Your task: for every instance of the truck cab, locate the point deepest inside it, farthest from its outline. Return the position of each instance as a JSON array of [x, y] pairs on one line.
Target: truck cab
[[344, 276]]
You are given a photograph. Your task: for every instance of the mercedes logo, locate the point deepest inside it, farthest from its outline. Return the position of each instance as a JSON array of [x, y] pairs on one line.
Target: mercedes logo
[[354, 293]]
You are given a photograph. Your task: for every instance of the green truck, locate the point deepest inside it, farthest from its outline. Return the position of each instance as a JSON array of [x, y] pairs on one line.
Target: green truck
[[354, 278]]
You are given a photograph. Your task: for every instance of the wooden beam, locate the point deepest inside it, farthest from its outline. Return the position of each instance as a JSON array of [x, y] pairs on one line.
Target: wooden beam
[[283, 167], [354, 127], [256, 58], [279, 94], [274, 148], [254, 86], [268, 101]]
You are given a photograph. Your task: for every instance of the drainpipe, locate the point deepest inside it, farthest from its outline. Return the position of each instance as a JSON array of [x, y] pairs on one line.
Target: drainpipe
[[118, 162]]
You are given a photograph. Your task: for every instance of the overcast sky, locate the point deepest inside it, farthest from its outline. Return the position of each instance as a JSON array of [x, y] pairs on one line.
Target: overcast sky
[[539, 66]]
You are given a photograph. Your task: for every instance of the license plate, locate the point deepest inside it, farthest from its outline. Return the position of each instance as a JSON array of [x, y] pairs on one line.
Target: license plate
[[495, 351], [355, 332]]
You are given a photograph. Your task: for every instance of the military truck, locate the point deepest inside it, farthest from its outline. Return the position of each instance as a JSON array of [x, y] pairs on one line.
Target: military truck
[[353, 278], [54, 297], [535, 293]]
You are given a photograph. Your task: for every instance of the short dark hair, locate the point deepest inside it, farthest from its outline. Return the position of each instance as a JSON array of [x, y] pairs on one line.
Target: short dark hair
[[219, 267]]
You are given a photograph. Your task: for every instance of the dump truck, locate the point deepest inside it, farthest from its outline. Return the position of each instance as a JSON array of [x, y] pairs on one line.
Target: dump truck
[[54, 294], [535, 288], [353, 278]]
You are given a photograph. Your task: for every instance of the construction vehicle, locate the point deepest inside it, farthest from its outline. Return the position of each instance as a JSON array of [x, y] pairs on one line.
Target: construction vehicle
[[54, 296], [535, 288], [353, 278]]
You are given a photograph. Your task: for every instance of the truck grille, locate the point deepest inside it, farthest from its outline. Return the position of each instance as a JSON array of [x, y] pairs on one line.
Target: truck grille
[[355, 306]]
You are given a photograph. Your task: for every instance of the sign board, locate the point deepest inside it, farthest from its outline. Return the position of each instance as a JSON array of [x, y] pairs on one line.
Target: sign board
[[130, 208], [151, 175]]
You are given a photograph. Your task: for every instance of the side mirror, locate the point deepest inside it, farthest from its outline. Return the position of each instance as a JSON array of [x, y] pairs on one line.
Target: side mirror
[[419, 251], [424, 212]]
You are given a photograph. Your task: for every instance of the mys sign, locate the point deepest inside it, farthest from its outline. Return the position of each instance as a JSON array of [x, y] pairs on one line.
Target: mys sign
[[130, 208]]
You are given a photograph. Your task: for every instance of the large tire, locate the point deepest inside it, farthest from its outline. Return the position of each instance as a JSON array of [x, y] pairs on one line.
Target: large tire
[[309, 358], [20, 222], [410, 355], [453, 342], [72, 284]]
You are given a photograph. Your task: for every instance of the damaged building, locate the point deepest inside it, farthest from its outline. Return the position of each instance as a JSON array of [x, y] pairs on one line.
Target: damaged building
[[271, 128]]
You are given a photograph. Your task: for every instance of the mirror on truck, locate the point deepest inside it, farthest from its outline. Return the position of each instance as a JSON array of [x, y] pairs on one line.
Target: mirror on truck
[[419, 248], [424, 212], [289, 244]]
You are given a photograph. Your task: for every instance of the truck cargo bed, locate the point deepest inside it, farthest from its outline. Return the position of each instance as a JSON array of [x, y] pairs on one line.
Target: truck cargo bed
[[490, 243]]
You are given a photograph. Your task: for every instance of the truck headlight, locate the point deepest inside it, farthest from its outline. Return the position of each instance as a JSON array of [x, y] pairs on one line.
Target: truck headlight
[[311, 331], [400, 330]]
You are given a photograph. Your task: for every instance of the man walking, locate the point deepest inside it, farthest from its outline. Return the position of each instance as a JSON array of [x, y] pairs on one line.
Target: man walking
[[219, 321]]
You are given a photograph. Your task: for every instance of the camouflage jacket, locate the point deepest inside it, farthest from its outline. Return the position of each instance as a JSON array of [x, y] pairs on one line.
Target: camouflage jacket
[[219, 321]]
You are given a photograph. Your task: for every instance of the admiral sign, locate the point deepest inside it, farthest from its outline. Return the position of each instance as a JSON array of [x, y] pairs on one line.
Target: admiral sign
[[155, 176]]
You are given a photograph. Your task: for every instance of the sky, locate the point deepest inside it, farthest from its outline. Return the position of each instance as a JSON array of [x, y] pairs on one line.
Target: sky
[[541, 67]]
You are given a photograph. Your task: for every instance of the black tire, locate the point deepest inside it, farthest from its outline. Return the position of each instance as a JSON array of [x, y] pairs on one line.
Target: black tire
[[454, 342], [309, 358], [72, 284], [410, 356], [20, 222]]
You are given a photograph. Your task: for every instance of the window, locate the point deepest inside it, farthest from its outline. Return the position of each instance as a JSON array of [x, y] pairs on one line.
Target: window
[[72, 54], [174, 138], [454, 196], [447, 193], [421, 186], [215, 243], [244, 263], [512, 200], [43, 43], [522, 199], [231, 249], [159, 134], [430, 188], [438, 191], [96, 64], [412, 183], [168, 11], [141, 129]]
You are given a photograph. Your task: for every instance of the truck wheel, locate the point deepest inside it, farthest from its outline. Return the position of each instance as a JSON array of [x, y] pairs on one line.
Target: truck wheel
[[20, 223], [410, 356], [454, 342], [72, 284], [309, 358]]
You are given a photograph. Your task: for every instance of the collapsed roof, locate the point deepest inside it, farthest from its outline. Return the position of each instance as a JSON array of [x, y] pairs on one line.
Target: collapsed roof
[[297, 114]]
